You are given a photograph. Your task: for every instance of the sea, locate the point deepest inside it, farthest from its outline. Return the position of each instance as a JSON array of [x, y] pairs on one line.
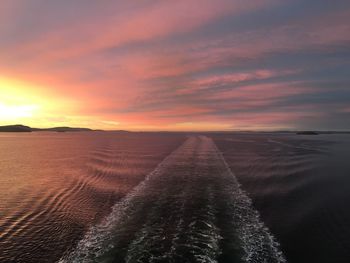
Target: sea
[[174, 197]]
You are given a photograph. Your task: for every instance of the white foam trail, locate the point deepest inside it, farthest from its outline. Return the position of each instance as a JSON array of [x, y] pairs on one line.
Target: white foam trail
[[254, 235], [202, 161], [93, 245]]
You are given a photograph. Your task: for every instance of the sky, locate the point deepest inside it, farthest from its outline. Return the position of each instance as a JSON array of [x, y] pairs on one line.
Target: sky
[[176, 65]]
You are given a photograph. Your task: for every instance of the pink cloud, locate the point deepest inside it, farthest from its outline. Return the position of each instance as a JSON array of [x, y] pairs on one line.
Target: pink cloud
[[137, 24], [146, 57]]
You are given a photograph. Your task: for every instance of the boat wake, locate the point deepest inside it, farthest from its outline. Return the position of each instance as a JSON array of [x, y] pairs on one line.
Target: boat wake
[[189, 209]]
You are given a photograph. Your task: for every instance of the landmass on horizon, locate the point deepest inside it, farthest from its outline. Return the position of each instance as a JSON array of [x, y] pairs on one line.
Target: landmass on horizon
[[24, 128]]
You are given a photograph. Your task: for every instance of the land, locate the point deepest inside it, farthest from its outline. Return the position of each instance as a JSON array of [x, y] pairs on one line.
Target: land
[[15, 128], [307, 133], [23, 128]]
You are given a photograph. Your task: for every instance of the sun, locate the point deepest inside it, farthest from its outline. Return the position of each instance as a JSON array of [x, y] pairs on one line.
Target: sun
[[16, 101], [14, 112]]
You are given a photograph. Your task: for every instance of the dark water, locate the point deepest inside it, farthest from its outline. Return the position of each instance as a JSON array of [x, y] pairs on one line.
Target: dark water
[[143, 197], [301, 187]]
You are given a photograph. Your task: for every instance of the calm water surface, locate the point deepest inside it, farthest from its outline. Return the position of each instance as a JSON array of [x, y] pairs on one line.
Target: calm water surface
[[152, 197], [301, 187], [53, 186]]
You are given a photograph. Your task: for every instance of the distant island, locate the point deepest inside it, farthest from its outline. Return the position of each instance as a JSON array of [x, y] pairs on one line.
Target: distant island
[[307, 133], [23, 128]]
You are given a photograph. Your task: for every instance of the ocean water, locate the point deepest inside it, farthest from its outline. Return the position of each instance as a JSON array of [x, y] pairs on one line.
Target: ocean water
[[174, 197], [55, 186], [300, 185]]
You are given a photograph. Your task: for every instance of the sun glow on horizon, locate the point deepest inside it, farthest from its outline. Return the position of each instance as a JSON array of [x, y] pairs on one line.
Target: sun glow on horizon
[[25, 103], [32, 105], [12, 112]]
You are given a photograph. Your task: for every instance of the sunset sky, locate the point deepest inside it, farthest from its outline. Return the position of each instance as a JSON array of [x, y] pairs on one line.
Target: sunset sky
[[175, 65]]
